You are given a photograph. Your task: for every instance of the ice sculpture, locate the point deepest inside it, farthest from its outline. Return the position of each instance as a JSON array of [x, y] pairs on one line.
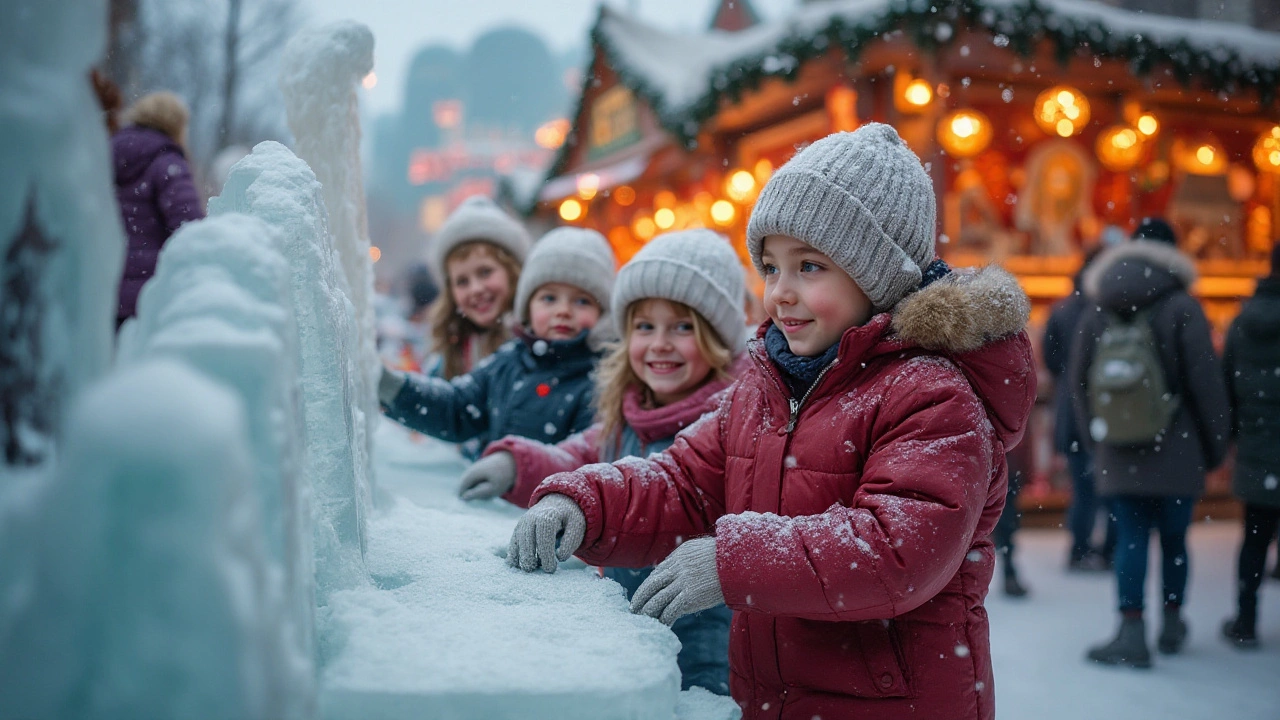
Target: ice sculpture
[[61, 243], [273, 185], [141, 576], [320, 71], [221, 300]]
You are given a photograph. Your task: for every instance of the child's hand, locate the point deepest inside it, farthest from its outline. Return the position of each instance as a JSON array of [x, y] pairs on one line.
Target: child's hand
[[389, 385], [686, 582], [533, 544], [489, 477]]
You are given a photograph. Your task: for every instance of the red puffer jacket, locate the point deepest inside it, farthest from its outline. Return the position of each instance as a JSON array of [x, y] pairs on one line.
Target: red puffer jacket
[[851, 525]]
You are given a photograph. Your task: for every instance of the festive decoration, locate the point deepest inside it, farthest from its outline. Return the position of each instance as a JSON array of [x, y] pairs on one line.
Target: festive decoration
[[1119, 148], [911, 95], [740, 186], [1202, 156], [571, 210], [723, 212], [1266, 151], [1062, 110], [964, 133]]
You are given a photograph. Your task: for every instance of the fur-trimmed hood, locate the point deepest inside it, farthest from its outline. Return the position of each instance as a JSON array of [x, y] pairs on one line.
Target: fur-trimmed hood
[[963, 311], [1137, 273]]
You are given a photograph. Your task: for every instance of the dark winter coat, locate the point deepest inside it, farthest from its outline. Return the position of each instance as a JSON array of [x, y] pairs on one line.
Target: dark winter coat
[[1059, 334], [529, 387], [853, 534], [1252, 369], [156, 195], [1124, 280]]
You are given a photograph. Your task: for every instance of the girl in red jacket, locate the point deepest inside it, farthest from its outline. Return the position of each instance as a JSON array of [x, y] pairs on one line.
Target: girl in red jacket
[[679, 312], [841, 498]]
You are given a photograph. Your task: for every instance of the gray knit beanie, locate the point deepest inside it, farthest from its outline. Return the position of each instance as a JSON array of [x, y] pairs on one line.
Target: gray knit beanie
[[574, 256], [696, 267], [477, 219], [862, 199]]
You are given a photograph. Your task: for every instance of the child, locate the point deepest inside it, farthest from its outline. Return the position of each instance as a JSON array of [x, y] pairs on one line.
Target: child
[[537, 385], [679, 311], [477, 254], [842, 497]]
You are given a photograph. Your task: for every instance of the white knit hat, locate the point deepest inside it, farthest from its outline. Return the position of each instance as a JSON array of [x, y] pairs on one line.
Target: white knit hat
[[477, 219], [862, 199], [574, 256], [696, 267]]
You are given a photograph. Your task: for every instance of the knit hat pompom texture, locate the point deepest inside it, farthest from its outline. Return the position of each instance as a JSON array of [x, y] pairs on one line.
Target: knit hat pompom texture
[[573, 256], [477, 219], [862, 199], [696, 267]]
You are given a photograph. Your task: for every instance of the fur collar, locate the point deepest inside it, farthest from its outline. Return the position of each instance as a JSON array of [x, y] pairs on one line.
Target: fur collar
[[1158, 254], [963, 311]]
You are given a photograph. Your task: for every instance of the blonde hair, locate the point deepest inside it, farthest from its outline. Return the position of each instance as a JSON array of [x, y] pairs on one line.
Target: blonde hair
[[614, 375], [451, 330], [163, 111]]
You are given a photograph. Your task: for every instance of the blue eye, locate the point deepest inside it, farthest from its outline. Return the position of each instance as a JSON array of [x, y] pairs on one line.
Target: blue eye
[[548, 298], [770, 270], [582, 301], [644, 326], [684, 327], [807, 266]]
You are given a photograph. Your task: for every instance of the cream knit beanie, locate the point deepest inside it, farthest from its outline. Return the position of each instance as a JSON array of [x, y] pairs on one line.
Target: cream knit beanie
[[574, 256], [862, 199], [477, 219], [696, 267]]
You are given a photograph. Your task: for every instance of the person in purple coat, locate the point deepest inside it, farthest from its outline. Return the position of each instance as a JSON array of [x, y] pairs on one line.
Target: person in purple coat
[[153, 186]]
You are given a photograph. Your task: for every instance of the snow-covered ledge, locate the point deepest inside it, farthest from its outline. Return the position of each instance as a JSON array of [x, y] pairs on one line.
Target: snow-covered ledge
[[449, 631]]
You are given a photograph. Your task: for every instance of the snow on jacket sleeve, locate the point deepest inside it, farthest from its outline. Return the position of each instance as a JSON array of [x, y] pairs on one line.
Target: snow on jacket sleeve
[[452, 410], [908, 528], [176, 195], [537, 461], [639, 509]]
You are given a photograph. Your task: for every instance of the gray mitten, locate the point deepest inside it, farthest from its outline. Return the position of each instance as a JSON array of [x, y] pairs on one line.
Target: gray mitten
[[489, 477], [686, 582], [389, 385], [533, 544]]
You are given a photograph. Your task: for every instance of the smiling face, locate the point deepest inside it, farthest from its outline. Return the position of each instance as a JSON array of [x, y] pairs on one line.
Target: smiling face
[[662, 347], [808, 296], [558, 311], [481, 286]]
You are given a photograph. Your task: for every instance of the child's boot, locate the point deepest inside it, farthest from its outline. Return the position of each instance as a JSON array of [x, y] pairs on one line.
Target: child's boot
[[1241, 632], [1173, 631], [1129, 647]]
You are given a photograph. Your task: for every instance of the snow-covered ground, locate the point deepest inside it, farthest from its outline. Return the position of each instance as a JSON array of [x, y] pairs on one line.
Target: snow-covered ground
[[1038, 642]]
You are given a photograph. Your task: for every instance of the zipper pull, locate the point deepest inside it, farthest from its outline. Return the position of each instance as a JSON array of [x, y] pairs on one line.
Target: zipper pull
[[795, 412]]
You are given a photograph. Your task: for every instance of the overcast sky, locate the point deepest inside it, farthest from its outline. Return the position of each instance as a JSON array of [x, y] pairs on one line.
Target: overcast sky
[[401, 27]]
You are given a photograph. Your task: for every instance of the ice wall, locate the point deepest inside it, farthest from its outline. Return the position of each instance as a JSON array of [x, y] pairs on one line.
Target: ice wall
[[60, 238], [133, 572], [221, 300], [320, 71], [273, 185]]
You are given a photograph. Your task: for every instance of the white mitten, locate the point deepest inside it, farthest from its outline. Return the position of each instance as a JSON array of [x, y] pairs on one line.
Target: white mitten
[[686, 582], [489, 477], [533, 544]]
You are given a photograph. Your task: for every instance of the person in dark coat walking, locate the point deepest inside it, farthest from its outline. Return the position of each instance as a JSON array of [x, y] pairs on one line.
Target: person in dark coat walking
[[1251, 366], [1153, 485], [1060, 332], [153, 186]]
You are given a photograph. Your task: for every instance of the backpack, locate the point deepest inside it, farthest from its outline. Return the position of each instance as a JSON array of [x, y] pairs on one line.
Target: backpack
[[1130, 402]]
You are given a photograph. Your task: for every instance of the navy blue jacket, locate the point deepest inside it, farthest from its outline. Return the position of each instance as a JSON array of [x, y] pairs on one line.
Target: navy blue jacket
[[529, 387]]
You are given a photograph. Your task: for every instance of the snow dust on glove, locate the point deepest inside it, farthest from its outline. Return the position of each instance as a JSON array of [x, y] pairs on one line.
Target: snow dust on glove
[[533, 544], [489, 477], [686, 582]]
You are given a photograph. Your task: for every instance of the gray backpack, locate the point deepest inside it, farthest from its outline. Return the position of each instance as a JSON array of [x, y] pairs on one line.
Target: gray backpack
[[1130, 403]]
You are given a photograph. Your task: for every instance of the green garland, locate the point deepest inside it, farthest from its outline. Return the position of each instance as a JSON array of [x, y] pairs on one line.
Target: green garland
[[932, 25]]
